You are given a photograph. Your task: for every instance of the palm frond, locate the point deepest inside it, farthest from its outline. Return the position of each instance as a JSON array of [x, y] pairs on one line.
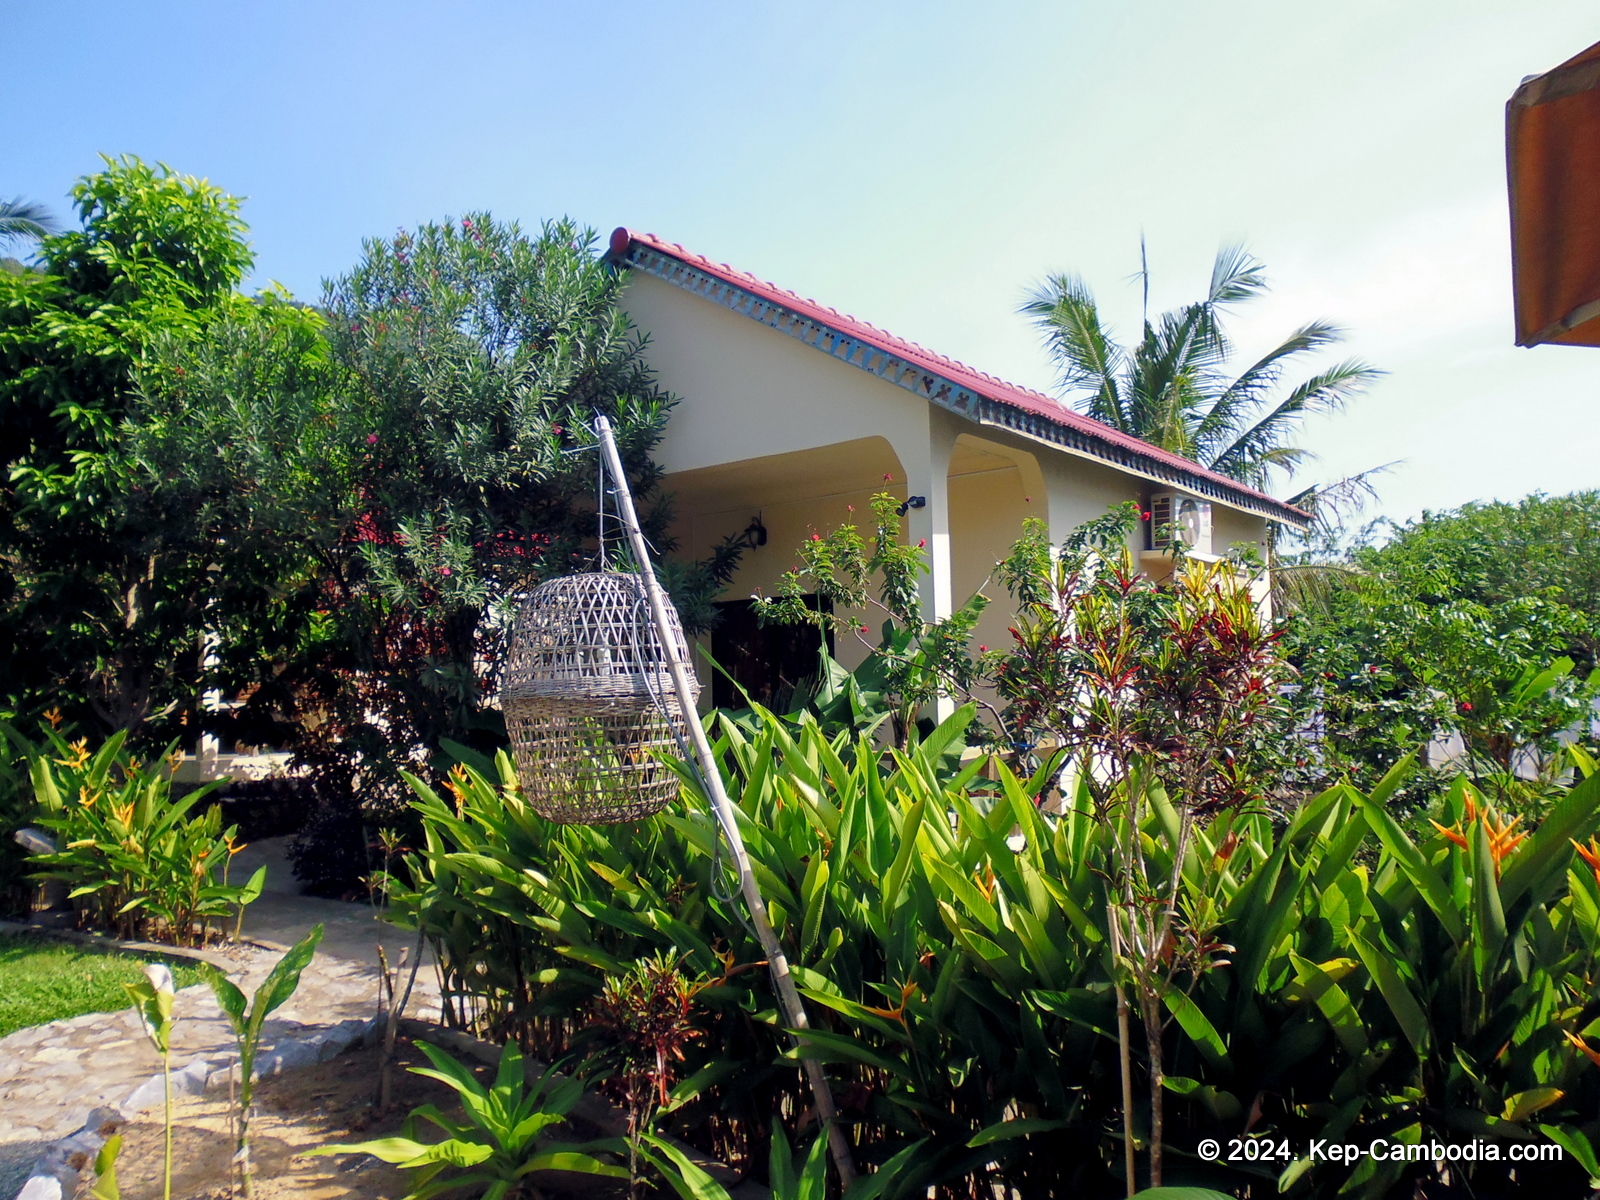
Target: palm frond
[[1236, 275], [1232, 409], [1168, 381], [1310, 587], [1261, 447], [1084, 352], [21, 218]]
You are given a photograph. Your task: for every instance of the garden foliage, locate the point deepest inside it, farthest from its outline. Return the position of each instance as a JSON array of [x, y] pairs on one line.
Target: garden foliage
[[504, 1138], [139, 862], [105, 581], [951, 937], [1479, 623]]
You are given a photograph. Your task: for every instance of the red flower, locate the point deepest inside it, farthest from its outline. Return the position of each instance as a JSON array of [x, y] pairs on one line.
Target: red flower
[[816, 537], [921, 543], [983, 649], [1373, 669], [887, 477], [1465, 707], [1144, 516]]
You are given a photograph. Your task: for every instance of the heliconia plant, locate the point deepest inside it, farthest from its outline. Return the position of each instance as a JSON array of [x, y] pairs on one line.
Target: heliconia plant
[[140, 861], [248, 1019], [980, 935], [153, 999], [951, 934], [503, 1139]]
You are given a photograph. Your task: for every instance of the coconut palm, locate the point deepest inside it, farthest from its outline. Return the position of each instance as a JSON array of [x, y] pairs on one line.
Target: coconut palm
[[1173, 390], [24, 220]]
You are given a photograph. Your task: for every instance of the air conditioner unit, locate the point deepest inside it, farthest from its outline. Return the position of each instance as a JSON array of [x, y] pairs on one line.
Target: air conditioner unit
[[1177, 516]]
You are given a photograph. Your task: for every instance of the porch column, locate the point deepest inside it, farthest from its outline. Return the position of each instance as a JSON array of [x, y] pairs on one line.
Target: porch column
[[927, 467]]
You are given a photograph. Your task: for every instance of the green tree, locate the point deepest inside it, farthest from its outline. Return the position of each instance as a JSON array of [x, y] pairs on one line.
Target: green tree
[[1453, 626], [1172, 389], [104, 583], [420, 449]]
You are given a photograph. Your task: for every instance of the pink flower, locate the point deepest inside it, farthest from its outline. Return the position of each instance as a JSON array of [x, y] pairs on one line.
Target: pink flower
[[372, 439], [444, 570], [983, 649], [922, 543], [816, 537], [887, 477]]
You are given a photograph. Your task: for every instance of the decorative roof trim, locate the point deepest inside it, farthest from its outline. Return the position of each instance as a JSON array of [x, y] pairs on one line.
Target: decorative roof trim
[[809, 324]]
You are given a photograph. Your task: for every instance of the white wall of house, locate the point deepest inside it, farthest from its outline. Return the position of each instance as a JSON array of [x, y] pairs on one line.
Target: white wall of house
[[768, 425]]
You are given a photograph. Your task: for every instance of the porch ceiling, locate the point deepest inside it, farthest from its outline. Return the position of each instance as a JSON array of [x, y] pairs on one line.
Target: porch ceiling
[[852, 466]]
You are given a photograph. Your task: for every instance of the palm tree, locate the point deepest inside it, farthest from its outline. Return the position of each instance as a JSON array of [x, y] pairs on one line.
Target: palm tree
[[24, 220], [1172, 389]]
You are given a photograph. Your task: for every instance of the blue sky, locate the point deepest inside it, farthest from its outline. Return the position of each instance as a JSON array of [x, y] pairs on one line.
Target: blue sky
[[918, 165]]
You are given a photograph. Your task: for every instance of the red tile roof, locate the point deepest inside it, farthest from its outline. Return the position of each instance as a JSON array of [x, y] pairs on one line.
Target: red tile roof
[[1092, 436]]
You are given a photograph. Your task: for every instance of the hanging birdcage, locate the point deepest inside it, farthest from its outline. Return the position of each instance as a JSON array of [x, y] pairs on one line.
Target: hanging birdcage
[[589, 702]]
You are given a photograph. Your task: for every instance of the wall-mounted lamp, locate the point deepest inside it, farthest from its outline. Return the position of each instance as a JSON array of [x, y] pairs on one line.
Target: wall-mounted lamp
[[755, 534], [911, 502]]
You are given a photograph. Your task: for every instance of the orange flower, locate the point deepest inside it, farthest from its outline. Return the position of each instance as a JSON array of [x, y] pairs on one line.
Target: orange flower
[[898, 1012], [985, 882], [1503, 835], [457, 783], [1591, 855], [1584, 1046]]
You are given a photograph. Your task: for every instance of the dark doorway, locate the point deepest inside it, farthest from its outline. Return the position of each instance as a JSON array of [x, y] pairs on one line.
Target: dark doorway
[[768, 662]]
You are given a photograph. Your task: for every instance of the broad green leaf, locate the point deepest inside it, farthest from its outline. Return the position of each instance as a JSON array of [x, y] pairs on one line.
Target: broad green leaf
[[105, 1170], [1575, 1143], [229, 998], [405, 1152], [1402, 1004], [687, 1179], [1022, 1127], [1332, 1001], [1524, 1104], [570, 1160], [869, 1187], [1417, 869], [1195, 1023]]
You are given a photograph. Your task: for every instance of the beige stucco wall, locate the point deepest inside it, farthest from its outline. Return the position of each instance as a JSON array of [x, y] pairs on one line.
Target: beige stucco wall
[[766, 424]]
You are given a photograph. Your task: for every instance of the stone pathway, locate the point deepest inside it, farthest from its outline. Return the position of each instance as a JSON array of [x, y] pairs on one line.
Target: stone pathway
[[51, 1076]]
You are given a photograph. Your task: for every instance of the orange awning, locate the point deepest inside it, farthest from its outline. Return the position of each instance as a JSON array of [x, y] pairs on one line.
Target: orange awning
[[1553, 159]]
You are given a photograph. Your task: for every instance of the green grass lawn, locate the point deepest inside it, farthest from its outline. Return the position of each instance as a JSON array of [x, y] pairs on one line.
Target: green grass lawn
[[43, 980]]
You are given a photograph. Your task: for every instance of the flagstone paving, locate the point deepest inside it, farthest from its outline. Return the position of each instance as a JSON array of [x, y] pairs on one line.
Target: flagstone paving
[[52, 1076]]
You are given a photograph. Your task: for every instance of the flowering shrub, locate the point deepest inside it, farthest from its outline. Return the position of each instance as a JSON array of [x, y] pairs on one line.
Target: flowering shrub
[[136, 860]]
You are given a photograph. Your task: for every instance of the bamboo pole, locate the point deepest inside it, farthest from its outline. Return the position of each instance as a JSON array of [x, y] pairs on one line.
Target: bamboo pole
[[794, 1011]]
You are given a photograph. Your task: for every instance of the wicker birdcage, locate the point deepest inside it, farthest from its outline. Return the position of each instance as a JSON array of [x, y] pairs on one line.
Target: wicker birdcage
[[589, 702]]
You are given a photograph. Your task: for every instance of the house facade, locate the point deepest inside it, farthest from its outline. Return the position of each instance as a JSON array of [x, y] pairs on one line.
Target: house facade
[[796, 414]]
